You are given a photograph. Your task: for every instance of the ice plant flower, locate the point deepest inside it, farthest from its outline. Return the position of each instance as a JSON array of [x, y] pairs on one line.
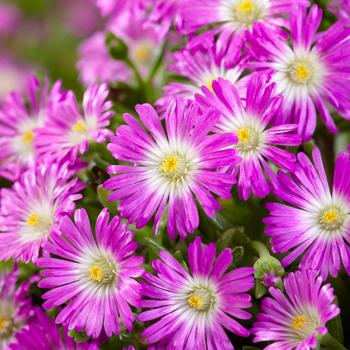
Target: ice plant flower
[[68, 131], [315, 221], [257, 139], [19, 118], [191, 309], [15, 307], [170, 168], [94, 274], [233, 18], [95, 64], [294, 320], [43, 334], [32, 208], [311, 72]]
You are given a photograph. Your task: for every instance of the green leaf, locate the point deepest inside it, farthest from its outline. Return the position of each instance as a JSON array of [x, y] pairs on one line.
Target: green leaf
[[116, 47]]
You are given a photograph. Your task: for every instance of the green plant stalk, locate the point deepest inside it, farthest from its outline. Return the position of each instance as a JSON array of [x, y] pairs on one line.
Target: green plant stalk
[[331, 343]]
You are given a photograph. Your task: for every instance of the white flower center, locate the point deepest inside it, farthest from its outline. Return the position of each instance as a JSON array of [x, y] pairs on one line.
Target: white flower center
[[249, 139], [304, 324], [246, 12], [175, 167], [103, 271], [201, 299], [332, 219]]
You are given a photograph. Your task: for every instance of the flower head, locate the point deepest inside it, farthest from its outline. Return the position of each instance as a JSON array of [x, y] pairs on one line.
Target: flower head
[[93, 273], [51, 337], [315, 222], [257, 140], [310, 73], [68, 132], [190, 310], [170, 168], [20, 118], [15, 307], [294, 321], [32, 208]]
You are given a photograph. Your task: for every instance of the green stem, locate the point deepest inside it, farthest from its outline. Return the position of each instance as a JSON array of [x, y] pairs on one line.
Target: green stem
[[331, 343], [260, 248], [136, 73]]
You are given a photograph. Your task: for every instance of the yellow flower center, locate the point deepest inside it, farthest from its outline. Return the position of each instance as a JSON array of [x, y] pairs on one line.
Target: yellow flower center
[[298, 322], [332, 219], [79, 127], [28, 136], [195, 301], [249, 140], [330, 216], [301, 72], [3, 323], [33, 220], [246, 6], [170, 164], [243, 135], [246, 12], [96, 273], [174, 167], [143, 53]]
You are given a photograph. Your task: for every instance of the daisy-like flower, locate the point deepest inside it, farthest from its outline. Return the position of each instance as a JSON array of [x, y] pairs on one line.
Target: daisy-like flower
[[316, 220], [170, 168], [31, 209], [93, 273], [15, 306], [95, 65], [68, 131], [310, 73], [295, 320], [233, 18], [192, 308], [19, 119], [257, 140], [201, 66], [43, 334], [341, 8]]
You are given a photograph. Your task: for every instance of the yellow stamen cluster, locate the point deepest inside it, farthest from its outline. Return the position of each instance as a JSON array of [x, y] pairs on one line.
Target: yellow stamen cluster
[[3, 323], [170, 164], [330, 216], [28, 136], [143, 53], [299, 322], [331, 219], [33, 220], [195, 301], [243, 135], [302, 72], [246, 6], [79, 127], [96, 273]]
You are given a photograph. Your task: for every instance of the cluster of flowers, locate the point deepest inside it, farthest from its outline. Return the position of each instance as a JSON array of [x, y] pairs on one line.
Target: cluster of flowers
[[253, 77]]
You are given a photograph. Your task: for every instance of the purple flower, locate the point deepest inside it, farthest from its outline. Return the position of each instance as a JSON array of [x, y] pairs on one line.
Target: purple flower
[[68, 132], [341, 8], [95, 64], [170, 168], [192, 309], [233, 18], [257, 141], [316, 220], [19, 119], [94, 274], [43, 334], [295, 320], [15, 306], [32, 208], [311, 73]]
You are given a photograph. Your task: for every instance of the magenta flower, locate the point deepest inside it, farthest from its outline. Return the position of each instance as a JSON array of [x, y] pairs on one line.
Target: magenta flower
[[311, 73], [19, 119], [93, 273], [316, 220], [43, 334], [32, 208], [15, 306], [233, 18], [192, 309], [95, 64], [170, 168], [295, 320], [341, 8], [68, 132], [257, 140]]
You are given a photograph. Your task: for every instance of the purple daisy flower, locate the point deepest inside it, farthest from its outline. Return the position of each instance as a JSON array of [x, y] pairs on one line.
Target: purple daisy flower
[[257, 141], [295, 320], [309, 74], [15, 306], [341, 8], [192, 309], [233, 18], [43, 334], [31, 209], [316, 220], [68, 132], [170, 168], [93, 273], [95, 65], [19, 119]]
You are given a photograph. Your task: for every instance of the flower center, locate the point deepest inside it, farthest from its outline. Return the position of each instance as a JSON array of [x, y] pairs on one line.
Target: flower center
[[245, 12], [7, 327], [301, 72], [298, 322], [28, 136], [103, 271], [248, 139], [37, 226], [143, 53], [332, 219], [79, 127], [201, 299], [304, 325], [174, 167], [32, 220]]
